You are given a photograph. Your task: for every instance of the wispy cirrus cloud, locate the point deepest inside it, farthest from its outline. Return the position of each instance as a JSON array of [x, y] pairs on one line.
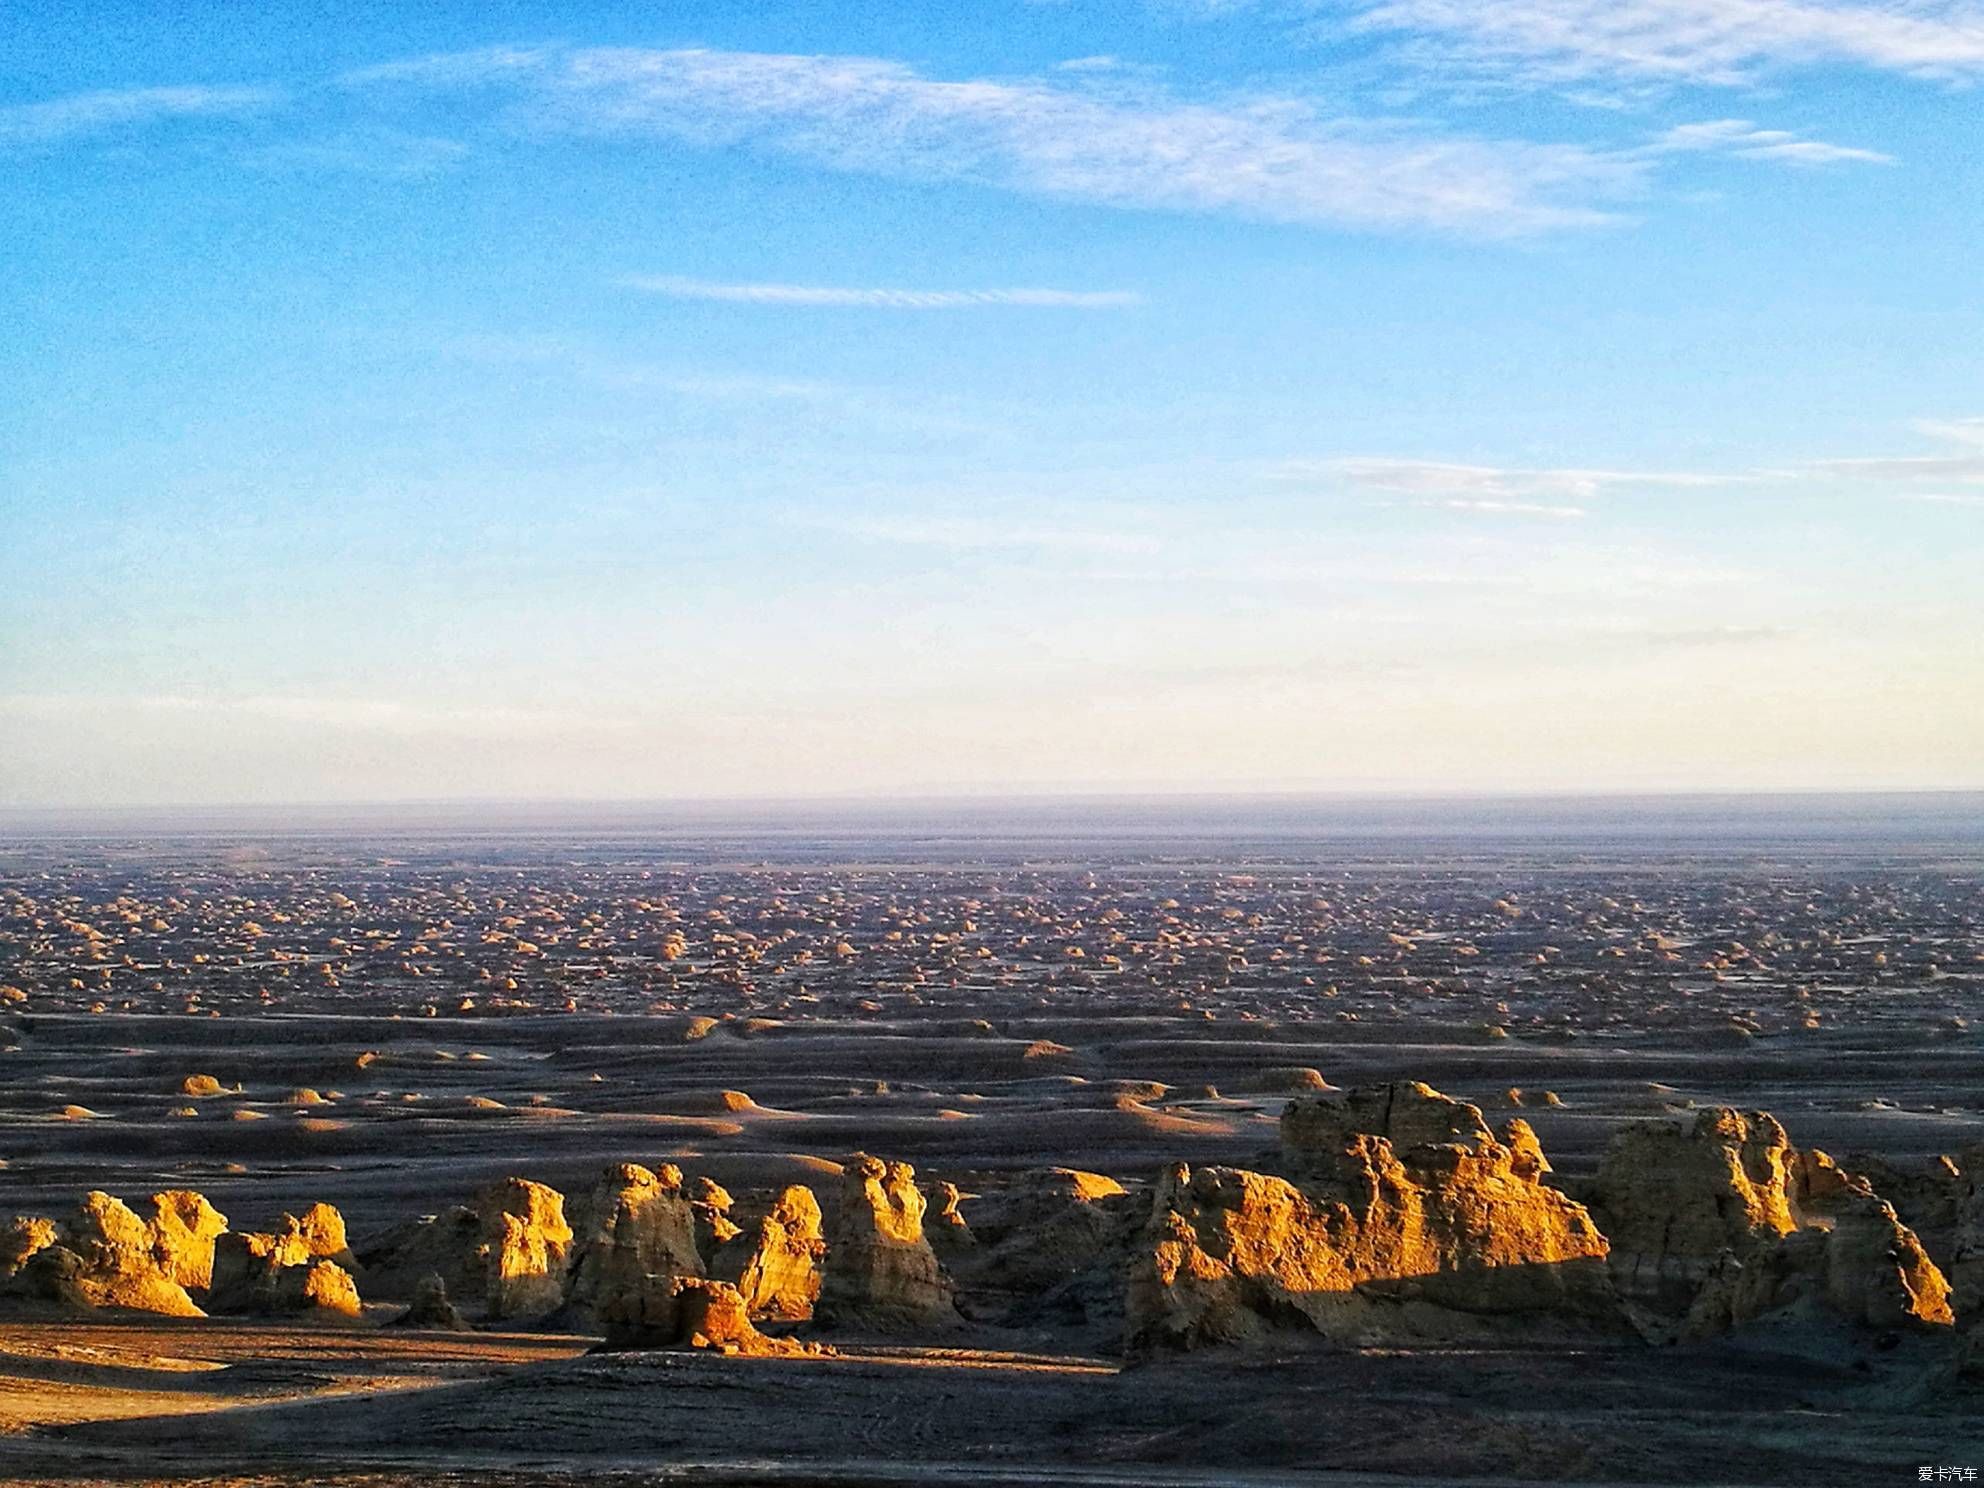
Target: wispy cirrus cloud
[[454, 69], [1490, 487], [101, 112], [1091, 136], [386, 153], [1745, 140], [1266, 157], [1711, 42], [811, 295], [1960, 469], [1562, 491], [1957, 431], [1964, 470], [610, 372]]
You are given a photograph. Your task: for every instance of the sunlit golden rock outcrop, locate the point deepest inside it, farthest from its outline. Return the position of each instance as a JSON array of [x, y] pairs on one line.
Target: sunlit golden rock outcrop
[[776, 1263], [102, 1256], [881, 1270], [1403, 1217]]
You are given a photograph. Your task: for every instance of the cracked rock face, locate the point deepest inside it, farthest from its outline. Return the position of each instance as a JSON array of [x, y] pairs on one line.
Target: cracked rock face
[[26, 1236], [690, 1312], [712, 1204], [950, 1236], [776, 1264], [1047, 1227], [1722, 1222], [634, 1224], [445, 1245], [881, 1271], [115, 1251], [1927, 1195], [1877, 1272], [184, 1228], [504, 1254], [322, 1229], [1403, 1218], [1673, 1200], [525, 1247], [1406, 1113], [270, 1274], [1866, 1266]]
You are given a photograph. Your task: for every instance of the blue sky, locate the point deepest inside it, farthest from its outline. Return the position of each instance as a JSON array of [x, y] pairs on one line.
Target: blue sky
[[677, 399]]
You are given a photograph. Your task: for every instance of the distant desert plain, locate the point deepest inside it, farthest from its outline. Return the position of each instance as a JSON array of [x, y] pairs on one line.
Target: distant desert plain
[[1176, 1145]]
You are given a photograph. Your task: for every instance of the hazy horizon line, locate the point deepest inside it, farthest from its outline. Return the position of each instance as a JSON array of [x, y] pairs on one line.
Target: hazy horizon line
[[995, 797]]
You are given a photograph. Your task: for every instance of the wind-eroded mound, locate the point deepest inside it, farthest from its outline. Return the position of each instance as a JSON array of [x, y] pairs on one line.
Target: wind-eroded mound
[[1674, 1201], [511, 1255], [105, 1256], [505, 1253], [776, 1263], [881, 1271], [1719, 1223], [306, 1267], [635, 1223], [710, 1103], [1402, 1218], [690, 1312]]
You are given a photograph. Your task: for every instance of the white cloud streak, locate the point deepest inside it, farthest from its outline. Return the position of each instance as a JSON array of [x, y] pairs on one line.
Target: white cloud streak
[[454, 69], [1966, 469], [84, 114], [1961, 470], [1957, 431], [1714, 42], [1745, 140], [1559, 491], [385, 153], [1128, 145], [1269, 158], [808, 295], [1490, 487]]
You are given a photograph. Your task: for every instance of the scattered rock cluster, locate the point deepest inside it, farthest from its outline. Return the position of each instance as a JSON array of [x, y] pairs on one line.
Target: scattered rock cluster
[[1398, 1216], [306, 1267], [1491, 953], [182, 1261], [653, 1260], [1392, 1214]]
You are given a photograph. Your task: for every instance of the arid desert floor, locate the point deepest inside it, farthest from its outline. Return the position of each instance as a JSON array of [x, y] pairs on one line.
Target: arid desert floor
[[397, 1025]]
